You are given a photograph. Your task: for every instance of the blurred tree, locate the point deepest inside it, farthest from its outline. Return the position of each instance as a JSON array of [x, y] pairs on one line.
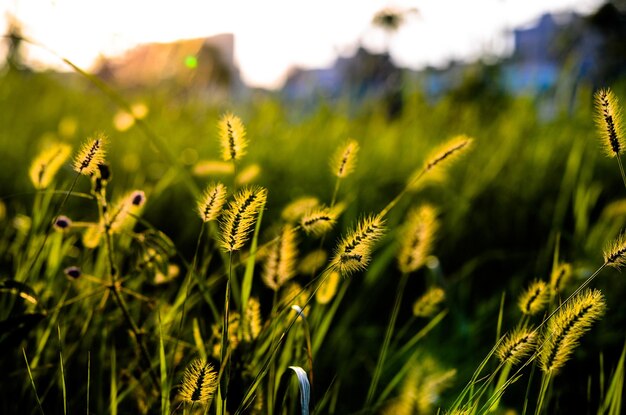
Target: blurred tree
[[14, 38], [390, 20]]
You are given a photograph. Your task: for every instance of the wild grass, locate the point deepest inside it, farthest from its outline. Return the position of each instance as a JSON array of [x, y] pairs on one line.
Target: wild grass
[[405, 280]]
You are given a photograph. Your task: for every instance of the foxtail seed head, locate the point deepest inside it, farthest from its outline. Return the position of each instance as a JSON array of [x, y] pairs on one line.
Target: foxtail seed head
[[534, 299], [124, 212], [517, 345], [253, 319], [560, 277], [344, 160], [354, 251], [280, 263], [199, 383], [609, 122], [440, 159], [294, 211], [567, 327], [211, 203], [232, 137], [319, 220], [429, 302], [90, 155], [417, 238], [328, 288], [238, 220], [615, 253], [46, 165]]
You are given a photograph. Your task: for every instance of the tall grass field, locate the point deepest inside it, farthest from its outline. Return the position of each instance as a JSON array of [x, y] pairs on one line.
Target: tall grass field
[[161, 254]]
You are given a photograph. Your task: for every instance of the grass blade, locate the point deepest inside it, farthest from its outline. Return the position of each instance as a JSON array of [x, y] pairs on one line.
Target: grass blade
[[32, 382], [305, 388], [62, 371]]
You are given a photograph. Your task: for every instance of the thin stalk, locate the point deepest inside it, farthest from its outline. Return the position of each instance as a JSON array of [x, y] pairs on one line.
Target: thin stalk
[[115, 289], [621, 169], [249, 392], [335, 192], [383, 351], [88, 377], [188, 290], [224, 356], [545, 384], [32, 382]]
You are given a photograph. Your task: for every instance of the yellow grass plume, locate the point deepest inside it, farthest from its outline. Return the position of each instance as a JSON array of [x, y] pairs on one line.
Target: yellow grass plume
[[517, 345], [344, 160], [199, 383], [253, 319], [567, 327], [609, 122], [428, 304], [232, 136], [417, 238], [328, 288], [440, 159], [320, 220], [312, 262], [559, 278], [123, 214], [211, 203], [280, 263], [354, 251], [240, 217], [615, 253], [535, 298], [294, 211], [46, 165], [90, 155]]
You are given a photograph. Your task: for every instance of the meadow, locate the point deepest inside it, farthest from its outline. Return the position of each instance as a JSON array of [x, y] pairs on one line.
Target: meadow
[[164, 254]]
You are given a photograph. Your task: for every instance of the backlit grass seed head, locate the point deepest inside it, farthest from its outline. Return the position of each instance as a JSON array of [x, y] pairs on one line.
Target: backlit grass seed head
[[535, 298], [90, 155], [440, 159], [354, 251], [232, 137], [312, 262], [328, 288], [428, 304], [344, 160], [560, 277], [205, 168], [609, 122], [319, 220], [199, 383], [211, 203], [567, 327], [124, 212], [234, 321], [294, 294], [294, 211], [240, 217], [517, 345], [46, 165], [615, 253], [280, 263], [248, 175], [418, 237], [254, 321]]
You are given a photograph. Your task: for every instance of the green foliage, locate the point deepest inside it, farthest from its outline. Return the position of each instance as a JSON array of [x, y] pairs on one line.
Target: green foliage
[[148, 298]]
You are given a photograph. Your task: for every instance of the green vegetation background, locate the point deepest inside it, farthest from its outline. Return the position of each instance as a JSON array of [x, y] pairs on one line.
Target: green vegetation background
[[530, 180]]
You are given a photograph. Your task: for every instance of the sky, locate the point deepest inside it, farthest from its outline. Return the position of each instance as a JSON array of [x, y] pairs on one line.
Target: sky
[[272, 36]]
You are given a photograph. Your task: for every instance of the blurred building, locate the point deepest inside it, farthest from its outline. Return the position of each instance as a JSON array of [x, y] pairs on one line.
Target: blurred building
[[204, 66]]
